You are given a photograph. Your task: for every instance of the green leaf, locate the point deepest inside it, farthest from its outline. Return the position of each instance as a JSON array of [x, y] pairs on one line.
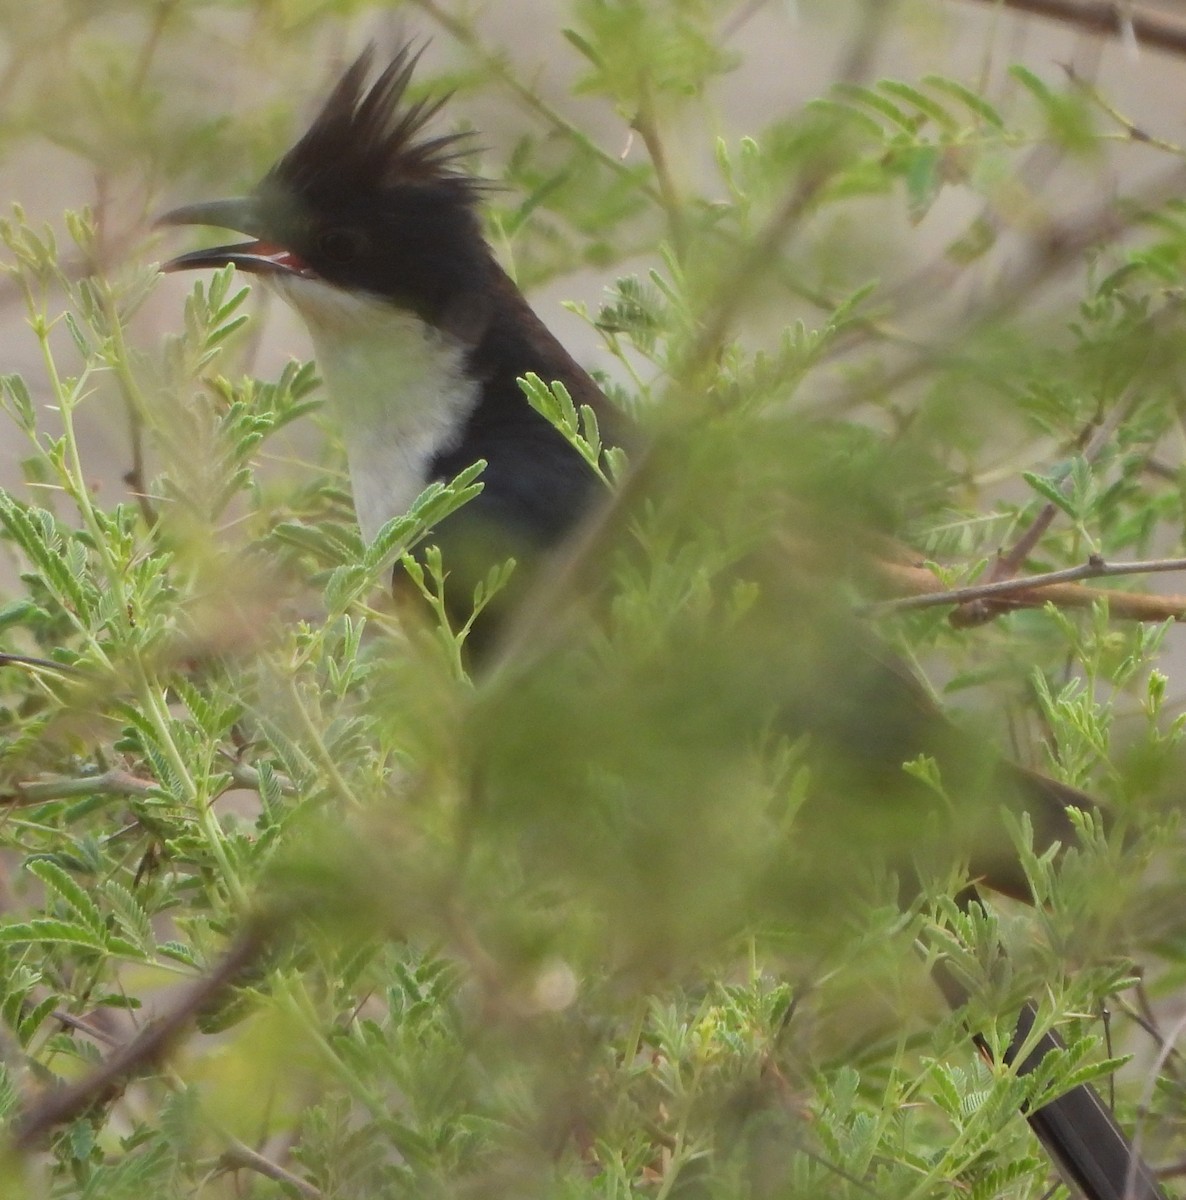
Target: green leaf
[[849, 115], [327, 543], [35, 531], [9, 1096], [1051, 490], [179, 952], [45, 930], [130, 913], [858, 94], [1032, 83], [924, 103], [345, 585], [1068, 115], [71, 892], [921, 168], [32, 1019], [978, 105], [18, 402], [80, 339], [584, 46]]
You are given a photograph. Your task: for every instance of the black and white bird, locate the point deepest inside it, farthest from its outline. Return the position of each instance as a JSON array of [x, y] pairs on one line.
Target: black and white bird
[[369, 229], [371, 233]]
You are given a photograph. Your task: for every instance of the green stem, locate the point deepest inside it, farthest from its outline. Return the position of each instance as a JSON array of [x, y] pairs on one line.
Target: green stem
[[148, 689]]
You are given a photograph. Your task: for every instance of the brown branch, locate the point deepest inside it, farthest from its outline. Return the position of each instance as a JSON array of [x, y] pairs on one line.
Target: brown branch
[[77, 1023], [147, 1048], [40, 664], [1152, 30], [240, 1155], [1007, 566], [109, 783], [246, 776], [924, 590]]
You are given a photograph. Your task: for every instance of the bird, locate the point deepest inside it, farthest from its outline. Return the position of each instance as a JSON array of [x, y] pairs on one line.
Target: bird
[[431, 322], [371, 229]]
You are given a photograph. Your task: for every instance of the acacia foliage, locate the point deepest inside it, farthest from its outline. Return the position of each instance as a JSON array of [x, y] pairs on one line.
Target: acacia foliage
[[577, 931]]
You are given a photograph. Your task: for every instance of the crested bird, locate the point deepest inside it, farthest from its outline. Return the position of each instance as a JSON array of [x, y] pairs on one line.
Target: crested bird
[[369, 228]]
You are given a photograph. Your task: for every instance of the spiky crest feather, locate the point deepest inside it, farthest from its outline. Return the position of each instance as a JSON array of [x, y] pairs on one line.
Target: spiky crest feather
[[364, 140]]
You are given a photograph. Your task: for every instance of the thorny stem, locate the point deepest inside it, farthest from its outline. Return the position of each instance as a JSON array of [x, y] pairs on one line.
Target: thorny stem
[[1094, 568], [63, 1104], [1007, 565], [241, 1155], [1134, 25]]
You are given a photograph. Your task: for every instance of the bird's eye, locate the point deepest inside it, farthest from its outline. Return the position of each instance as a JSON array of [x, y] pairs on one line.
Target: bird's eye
[[339, 246]]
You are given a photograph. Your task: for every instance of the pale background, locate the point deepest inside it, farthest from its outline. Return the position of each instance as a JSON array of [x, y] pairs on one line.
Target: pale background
[[790, 52]]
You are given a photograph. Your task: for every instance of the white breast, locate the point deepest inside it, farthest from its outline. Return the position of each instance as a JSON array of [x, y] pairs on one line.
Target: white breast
[[398, 388]]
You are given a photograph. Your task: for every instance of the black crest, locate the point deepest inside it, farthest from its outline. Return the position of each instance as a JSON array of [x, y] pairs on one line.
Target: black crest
[[367, 139]]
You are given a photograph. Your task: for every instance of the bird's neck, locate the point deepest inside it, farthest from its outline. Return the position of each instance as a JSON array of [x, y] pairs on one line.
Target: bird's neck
[[415, 401], [400, 391]]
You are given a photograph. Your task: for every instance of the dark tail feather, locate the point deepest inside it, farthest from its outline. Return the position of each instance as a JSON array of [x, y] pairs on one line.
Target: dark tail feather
[[1048, 801], [1081, 1135], [1077, 1130]]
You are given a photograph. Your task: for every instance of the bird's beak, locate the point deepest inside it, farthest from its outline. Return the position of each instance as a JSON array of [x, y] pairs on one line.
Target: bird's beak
[[261, 257]]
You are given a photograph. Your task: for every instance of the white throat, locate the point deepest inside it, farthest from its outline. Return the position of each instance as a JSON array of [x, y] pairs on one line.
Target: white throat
[[398, 388]]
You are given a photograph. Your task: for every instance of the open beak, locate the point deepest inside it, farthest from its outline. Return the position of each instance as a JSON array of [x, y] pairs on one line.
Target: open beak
[[261, 257]]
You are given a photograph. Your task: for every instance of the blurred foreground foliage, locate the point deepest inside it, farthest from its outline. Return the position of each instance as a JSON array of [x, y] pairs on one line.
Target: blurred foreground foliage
[[639, 912]]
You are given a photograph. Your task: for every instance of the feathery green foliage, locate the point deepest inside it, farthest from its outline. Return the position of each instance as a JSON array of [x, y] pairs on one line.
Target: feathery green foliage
[[584, 927]]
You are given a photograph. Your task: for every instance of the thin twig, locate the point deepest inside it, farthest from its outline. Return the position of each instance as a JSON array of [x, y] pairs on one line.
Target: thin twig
[[1168, 1047], [240, 1155], [1143, 1016], [41, 664], [148, 1047], [1153, 30], [77, 1023], [246, 776], [1007, 565], [1134, 131], [646, 125], [108, 783], [1094, 568]]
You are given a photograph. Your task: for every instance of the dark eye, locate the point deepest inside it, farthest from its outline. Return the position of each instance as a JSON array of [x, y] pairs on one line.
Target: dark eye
[[340, 246]]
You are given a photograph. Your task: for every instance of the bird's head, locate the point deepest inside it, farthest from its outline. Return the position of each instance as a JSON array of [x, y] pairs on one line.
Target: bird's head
[[364, 203], [369, 229]]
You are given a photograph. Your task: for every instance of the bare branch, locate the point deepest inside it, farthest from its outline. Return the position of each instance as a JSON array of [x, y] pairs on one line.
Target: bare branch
[[1154, 30], [109, 783], [40, 664], [1047, 588], [1008, 564], [240, 1155], [147, 1048]]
